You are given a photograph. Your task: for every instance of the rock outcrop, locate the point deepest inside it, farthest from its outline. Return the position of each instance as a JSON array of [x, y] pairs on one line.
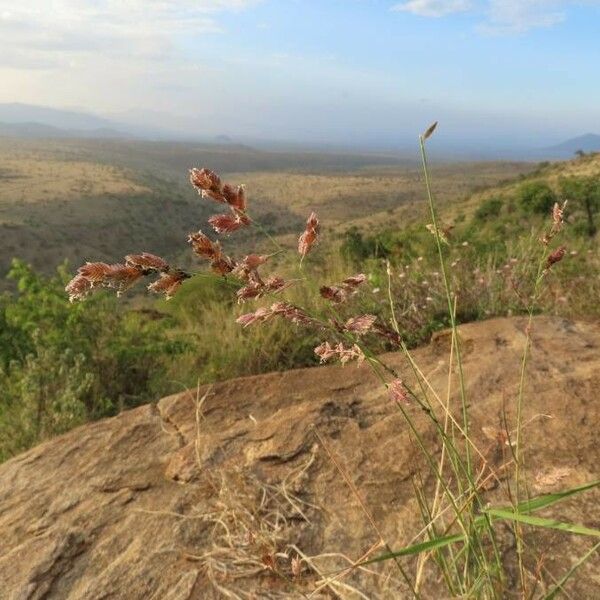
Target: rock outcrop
[[212, 492]]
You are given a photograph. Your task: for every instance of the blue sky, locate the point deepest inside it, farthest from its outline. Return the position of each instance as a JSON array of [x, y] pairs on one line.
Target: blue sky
[[369, 72]]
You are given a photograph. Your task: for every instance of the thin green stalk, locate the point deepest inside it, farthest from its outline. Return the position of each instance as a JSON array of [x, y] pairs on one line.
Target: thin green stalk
[[436, 495], [439, 558], [456, 340], [517, 451], [454, 455], [449, 294], [558, 588]]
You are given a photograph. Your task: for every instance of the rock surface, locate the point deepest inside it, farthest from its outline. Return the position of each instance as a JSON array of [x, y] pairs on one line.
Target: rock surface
[[197, 496]]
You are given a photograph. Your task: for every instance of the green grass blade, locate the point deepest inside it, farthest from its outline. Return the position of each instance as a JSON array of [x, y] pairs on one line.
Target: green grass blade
[[559, 586], [511, 515], [550, 499], [540, 502], [518, 513], [438, 542]]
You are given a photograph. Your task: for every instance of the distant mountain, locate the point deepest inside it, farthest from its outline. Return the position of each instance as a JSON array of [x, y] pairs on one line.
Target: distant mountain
[[41, 130], [590, 142], [53, 117], [29, 130], [42, 121]]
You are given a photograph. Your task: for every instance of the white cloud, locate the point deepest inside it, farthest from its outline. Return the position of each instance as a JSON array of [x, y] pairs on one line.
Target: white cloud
[[38, 33], [433, 8], [110, 54], [517, 16], [500, 16]]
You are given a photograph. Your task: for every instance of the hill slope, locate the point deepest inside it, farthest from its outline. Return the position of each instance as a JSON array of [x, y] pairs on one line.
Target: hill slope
[[181, 501], [590, 142], [101, 199], [52, 117]]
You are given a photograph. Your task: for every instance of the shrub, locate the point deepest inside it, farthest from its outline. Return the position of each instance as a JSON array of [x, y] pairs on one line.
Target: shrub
[[357, 248], [488, 209], [62, 364], [536, 197], [584, 195], [43, 395]]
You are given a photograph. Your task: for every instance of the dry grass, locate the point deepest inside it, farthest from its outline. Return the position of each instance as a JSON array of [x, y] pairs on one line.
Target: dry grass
[[255, 535], [29, 178], [371, 197]]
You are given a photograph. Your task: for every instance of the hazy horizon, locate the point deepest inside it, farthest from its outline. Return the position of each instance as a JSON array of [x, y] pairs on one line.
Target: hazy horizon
[[359, 73]]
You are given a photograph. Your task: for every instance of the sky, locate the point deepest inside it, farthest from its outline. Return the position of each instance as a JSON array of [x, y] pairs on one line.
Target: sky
[[351, 72]]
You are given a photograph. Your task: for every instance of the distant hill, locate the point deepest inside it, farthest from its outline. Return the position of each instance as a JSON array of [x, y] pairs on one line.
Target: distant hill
[[589, 142], [15, 113], [33, 129], [28, 120]]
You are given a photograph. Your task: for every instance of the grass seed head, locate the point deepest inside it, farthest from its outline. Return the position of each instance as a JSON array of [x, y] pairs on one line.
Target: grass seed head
[[397, 391], [168, 283], [147, 262], [360, 325], [226, 223], [78, 288], [555, 256], [205, 180], [94, 272], [326, 352], [429, 132], [203, 246], [309, 236]]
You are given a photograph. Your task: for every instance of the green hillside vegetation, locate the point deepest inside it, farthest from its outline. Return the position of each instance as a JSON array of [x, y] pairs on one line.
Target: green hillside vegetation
[[63, 364]]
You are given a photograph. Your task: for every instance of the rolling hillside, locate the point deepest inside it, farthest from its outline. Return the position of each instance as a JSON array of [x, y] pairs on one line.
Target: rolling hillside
[[100, 199]]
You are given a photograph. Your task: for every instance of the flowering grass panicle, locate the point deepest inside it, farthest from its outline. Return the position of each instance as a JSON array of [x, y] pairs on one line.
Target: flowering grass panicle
[[360, 325], [558, 212], [347, 289], [555, 256], [209, 185], [118, 276], [122, 276], [258, 316], [168, 283], [78, 288], [147, 262], [203, 246], [397, 391], [258, 289], [344, 354], [309, 236], [226, 223]]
